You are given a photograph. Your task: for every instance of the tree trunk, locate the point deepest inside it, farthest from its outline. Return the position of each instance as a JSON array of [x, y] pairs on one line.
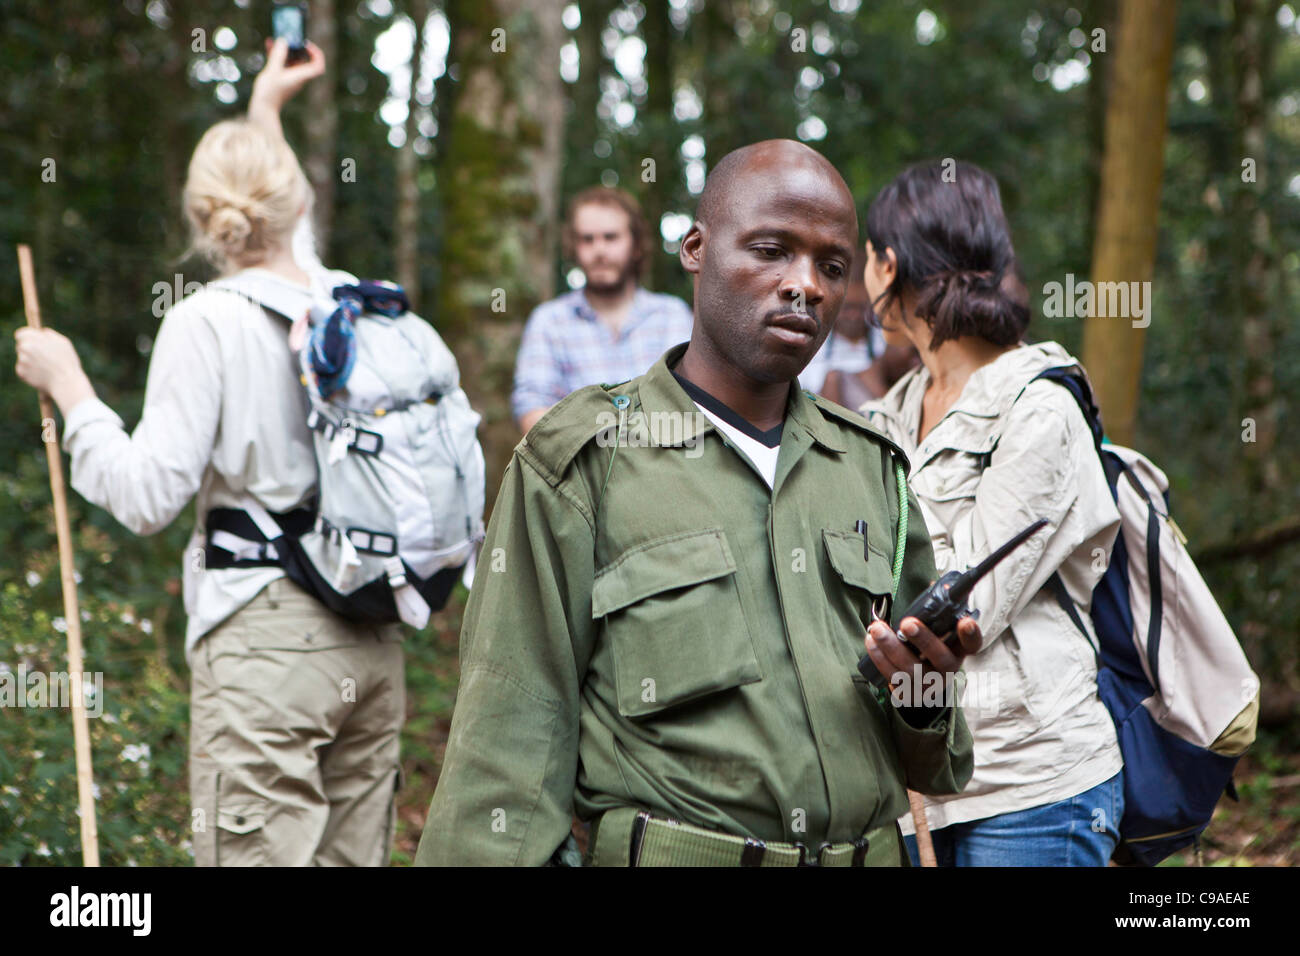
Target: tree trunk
[[500, 166], [1124, 246], [322, 125], [499, 157], [406, 252], [662, 145], [1253, 32], [715, 30], [583, 125], [1098, 14]]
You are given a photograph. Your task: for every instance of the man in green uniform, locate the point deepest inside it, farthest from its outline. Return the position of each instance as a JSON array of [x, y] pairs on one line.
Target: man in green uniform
[[675, 587]]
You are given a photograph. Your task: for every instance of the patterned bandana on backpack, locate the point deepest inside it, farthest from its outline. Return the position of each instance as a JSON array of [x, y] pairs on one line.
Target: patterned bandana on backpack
[[1170, 670], [399, 513]]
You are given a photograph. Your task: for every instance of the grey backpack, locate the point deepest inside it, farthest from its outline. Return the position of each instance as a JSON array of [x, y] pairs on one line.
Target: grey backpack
[[399, 513]]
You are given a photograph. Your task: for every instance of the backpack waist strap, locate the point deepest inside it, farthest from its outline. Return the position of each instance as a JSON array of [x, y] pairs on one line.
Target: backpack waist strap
[[235, 541]]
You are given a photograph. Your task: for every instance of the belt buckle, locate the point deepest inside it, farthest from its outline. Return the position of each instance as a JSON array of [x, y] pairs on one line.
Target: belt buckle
[[813, 859], [638, 835], [753, 853], [860, 846]]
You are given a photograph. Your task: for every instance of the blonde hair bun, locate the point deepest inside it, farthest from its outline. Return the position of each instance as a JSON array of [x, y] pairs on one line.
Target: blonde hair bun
[[243, 194], [230, 227]]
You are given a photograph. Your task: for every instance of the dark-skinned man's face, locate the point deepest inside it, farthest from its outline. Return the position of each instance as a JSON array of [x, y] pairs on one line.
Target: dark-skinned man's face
[[772, 268]]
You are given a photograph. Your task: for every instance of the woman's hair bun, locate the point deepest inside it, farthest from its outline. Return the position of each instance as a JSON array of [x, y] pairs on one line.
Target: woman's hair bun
[[243, 194], [953, 250], [229, 227]]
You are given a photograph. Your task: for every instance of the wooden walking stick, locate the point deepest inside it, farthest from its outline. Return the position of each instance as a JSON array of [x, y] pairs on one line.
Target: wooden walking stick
[[71, 612], [924, 845]]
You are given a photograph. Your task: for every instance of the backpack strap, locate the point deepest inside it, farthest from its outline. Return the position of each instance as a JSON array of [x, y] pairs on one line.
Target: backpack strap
[[278, 297], [1062, 596], [1079, 388], [1154, 583], [1115, 467]]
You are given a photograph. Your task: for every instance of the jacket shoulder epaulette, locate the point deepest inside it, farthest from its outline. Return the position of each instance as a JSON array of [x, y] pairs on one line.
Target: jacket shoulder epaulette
[[847, 416], [570, 424]]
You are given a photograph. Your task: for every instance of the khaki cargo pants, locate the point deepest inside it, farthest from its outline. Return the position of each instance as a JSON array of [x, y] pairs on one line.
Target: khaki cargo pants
[[295, 717]]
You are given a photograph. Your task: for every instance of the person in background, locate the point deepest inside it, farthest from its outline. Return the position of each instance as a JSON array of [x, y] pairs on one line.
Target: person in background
[[992, 450], [285, 769], [856, 364], [612, 329]]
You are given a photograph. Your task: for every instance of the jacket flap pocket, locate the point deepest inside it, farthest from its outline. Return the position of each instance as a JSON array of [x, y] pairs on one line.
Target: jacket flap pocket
[[677, 561], [948, 480], [844, 548], [241, 819]]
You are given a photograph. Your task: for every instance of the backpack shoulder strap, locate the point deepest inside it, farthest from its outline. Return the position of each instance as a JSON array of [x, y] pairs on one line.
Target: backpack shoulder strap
[[1062, 596], [278, 297], [1077, 385]]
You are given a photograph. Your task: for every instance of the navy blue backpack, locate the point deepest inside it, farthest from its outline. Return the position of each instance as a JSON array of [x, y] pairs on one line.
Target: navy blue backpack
[[1171, 672]]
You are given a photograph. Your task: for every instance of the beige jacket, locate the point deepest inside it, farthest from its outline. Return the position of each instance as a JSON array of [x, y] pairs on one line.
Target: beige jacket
[[224, 420], [987, 469]]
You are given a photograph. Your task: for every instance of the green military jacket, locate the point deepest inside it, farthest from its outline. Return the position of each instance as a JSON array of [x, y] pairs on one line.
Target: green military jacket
[[651, 626]]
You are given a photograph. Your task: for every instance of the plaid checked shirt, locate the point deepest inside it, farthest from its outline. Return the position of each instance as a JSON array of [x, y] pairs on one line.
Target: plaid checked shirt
[[565, 346]]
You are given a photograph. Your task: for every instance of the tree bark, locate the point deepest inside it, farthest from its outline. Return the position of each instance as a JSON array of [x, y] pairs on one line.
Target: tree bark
[[1124, 246], [1098, 14], [322, 127], [1252, 48], [500, 169], [406, 251], [657, 121]]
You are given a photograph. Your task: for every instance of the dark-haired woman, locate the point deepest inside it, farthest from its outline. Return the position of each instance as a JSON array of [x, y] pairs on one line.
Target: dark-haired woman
[[991, 451]]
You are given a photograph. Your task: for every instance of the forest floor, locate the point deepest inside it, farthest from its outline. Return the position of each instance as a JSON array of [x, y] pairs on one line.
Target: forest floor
[[1261, 828]]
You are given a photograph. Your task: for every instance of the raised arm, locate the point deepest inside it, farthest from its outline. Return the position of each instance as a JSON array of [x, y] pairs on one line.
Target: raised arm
[[278, 83]]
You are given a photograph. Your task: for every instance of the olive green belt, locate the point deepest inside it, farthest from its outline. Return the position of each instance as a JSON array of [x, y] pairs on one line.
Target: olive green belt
[[628, 837]]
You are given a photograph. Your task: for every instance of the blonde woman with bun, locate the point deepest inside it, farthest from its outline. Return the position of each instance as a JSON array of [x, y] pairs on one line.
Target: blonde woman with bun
[[295, 712]]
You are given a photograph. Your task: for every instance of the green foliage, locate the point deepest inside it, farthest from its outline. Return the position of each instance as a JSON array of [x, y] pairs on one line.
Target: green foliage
[[138, 740]]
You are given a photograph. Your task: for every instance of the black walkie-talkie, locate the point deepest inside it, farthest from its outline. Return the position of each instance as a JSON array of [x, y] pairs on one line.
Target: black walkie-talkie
[[943, 603]]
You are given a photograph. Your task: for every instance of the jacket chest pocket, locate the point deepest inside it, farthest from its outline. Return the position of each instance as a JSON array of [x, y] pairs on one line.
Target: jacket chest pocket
[[946, 487], [951, 475], [675, 622], [869, 579]]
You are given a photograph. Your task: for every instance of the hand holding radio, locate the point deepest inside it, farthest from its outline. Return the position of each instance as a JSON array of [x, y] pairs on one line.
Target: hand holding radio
[[889, 653], [940, 610]]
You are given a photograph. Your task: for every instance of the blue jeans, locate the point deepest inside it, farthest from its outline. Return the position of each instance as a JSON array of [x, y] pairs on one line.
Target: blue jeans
[[1080, 831]]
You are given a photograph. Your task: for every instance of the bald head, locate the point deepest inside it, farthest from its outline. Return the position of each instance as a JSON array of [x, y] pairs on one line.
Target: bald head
[[770, 251], [729, 176]]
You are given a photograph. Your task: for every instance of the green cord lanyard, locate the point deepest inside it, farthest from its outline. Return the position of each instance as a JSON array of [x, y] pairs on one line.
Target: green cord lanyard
[[882, 693], [902, 525]]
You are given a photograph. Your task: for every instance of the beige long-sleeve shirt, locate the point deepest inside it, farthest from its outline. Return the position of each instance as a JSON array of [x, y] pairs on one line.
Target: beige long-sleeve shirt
[[987, 469], [224, 420]]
